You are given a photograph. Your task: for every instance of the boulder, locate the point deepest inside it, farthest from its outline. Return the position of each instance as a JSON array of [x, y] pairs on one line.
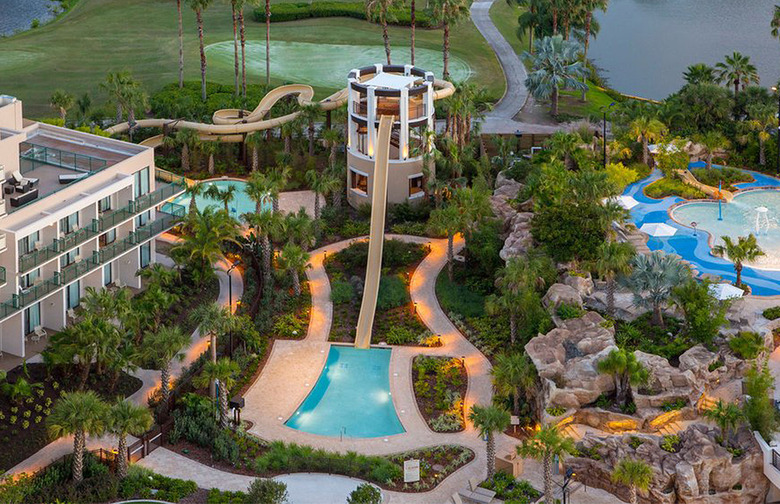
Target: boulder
[[697, 360], [506, 190], [559, 293], [582, 284], [520, 238], [666, 382], [701, 472]]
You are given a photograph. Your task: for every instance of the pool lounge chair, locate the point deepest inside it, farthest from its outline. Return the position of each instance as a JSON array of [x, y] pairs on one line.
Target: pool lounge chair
[[19, 180], [67, 178]]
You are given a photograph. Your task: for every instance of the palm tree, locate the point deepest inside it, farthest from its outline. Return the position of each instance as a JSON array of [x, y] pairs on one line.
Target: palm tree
[[321, 184], [333, 139], [210, 149], [309, 114], [738, 71], [646, 129], [223, 372], [61, 102], [187, 138], [126, 418], [449, 12], [204, 235], [277, 180], [589, 6], [214, 320], [744, 250], [546, 444], [775, 23], [614, 259], [224, 196], [193, 191], [294, 260], [199, 6], [297, 228], [264, 223], [555, 63], [635, 474], [163, 347], [712, 141], [488, 420], [254, 140], [514, 374], [78, 414], [242, 38], [378, 11], [446, 221], [563, 146], [762, 121], [626, 370], [267, 42], [726, 416], [699, 73], [653, 277], [83, 106], [530, 19], [116, 85], [235, 5], [413, 23], [181, 45], [336, 172]]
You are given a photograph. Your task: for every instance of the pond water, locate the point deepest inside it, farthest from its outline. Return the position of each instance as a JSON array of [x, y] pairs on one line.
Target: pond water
[[326, 65], [17, 15], [645, 45]]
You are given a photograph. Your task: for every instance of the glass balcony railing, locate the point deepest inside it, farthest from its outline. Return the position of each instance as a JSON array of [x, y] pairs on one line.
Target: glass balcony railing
[[2, 275], [9, 307], [37, 291], [73, 271], [175, 184]]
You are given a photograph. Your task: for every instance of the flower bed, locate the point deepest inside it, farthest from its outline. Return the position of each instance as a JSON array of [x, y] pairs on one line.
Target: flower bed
[[440, 385]]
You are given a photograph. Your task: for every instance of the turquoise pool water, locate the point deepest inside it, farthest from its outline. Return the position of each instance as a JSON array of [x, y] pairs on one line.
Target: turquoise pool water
[[241, 203], [351, 397]]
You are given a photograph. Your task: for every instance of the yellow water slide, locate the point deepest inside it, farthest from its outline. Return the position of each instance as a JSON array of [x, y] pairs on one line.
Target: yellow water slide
[[376, 239], [712, 192]]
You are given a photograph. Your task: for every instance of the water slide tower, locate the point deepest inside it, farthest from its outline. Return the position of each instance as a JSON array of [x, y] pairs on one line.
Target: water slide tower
[[402, 91]]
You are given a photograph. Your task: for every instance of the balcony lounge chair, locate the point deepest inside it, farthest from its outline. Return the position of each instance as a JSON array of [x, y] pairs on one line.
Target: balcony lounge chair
[[23, 198], [39, 332], [71, 177], [18, 179]]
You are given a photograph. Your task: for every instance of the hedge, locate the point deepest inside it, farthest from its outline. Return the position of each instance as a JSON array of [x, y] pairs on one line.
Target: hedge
[[295, 11]]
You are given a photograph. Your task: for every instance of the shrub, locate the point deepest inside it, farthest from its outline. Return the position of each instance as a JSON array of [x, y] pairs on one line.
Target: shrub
[[556, 410], [727, 175], [410, 228], [674, 404], [567, 234], [670, 443], [772, 313], [267, 491], [341, 292], [409, 212], [747, 344], [635, 442], [666, 186], [703, 313], [365, 493], [620, 176], [392, 292], [318, 9], [759, 407], [400, 335], [569, 311]]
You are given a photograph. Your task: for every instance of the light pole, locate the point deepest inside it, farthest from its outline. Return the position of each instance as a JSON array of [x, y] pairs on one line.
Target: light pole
[[518, 136], [604, 111], [777, 162], [230, 304]]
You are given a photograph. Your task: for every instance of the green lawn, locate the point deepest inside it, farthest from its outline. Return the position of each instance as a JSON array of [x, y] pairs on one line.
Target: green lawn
[[504, 16], [75, 52], [459, 298]]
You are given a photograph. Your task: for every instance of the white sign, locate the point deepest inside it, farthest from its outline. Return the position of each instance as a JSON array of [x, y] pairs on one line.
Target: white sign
[[411, 471]]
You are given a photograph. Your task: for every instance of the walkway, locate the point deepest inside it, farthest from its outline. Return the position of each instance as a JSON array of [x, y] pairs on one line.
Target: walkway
[[150, 378], [501, 120], [303, 488]]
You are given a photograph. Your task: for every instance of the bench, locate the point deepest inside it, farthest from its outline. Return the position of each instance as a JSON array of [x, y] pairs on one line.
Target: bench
[[23, 198], [71, 177]]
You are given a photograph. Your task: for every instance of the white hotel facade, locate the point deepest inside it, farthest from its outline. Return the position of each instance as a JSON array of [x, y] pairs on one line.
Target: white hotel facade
[[77, 211]]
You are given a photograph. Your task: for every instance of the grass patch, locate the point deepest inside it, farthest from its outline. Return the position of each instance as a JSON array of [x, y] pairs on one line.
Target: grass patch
[[746, 345], [642, 335], [728, 176], [504, 16], [666, 186], [458, 298], [596, 97]]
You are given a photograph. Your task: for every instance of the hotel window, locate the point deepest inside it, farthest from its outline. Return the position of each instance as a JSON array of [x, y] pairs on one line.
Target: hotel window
[[108, 274], [32, 318], [141, 182], [146, 254], [362, 139], [69, 258], [27, 244], [73, 294], [142, 219], [69, 224], [104, 204], [107, 238], [416, 186], [358, 181], [28, 280]]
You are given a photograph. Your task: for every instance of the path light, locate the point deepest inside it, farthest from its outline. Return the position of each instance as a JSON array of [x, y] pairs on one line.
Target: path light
[[415, 307]]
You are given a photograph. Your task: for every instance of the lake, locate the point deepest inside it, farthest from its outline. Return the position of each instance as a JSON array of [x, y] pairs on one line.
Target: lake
[[17, 15], [645, 45]]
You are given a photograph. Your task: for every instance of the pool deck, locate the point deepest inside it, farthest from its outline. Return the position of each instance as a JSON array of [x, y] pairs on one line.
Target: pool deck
[[695, 249]]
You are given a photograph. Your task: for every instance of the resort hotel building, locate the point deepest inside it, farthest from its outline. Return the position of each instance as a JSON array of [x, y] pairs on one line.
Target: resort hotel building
[[77, 211], [407, 93]]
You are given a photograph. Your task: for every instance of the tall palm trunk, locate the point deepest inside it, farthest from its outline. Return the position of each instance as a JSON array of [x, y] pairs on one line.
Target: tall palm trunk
[[118, 112], [211, 164], [414, 26], [223, 406], [78, 456], [121, 457], [213, 344], [446, 73], [555, 20], [645, 151], [236, 67], [181, 46], [386, 37], [317, 209], [491, 456], [738, 270], [548, 487], [276, 204], [516, 402], [512, 327], [336, 198], [165, 382], [634, 498], [588, 21], [450, 254], [266, 245], [255, 158], [242, 32], [267, 42], [611, 296], [185, 157], [658, 315], [555, 100], [199, 17], [296, 281], [709, 159], [761, 152], [311, 138]]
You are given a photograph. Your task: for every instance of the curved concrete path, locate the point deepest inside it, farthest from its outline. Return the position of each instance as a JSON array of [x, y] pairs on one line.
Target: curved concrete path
[[150, 378], [501, 120]]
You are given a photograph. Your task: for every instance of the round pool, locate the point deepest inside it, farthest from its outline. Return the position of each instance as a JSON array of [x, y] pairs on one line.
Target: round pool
[[241, 203], [753, 212]]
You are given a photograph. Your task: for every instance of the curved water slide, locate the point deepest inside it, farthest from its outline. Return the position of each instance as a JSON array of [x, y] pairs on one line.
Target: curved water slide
[[376, 239], [230, 125], [710, 191]]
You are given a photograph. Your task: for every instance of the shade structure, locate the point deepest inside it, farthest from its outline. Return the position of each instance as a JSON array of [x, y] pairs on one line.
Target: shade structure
[[658, 229], [724, 291], [626, 202]]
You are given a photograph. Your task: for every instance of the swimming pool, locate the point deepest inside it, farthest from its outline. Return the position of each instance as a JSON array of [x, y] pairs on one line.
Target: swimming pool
[[351, 397], [241, 203], [692, 246]]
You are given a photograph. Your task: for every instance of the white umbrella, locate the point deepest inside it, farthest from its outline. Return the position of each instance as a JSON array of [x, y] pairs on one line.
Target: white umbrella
[[658, 229], [723, 291], [627, 202]]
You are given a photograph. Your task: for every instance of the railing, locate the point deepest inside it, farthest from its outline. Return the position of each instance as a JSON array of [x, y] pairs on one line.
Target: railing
[[2, 275], [776, 459], [39, 155], [105, 222], [73, 271], [37, 291]]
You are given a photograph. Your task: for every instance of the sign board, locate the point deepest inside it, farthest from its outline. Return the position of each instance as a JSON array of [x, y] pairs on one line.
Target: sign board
[[411, 471], [514, 420]]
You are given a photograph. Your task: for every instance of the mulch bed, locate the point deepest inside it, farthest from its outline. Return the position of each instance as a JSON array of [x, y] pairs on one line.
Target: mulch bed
[[428, 405], [19, 442]]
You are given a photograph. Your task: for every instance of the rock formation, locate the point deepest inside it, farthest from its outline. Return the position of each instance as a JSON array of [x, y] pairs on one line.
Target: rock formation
[[558, 294]]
